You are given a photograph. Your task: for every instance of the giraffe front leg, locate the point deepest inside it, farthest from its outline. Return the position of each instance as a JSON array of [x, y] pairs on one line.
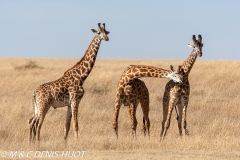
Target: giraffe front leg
[[75, 98], [68, 122], [146, 126], [75, 120], [74, 107]]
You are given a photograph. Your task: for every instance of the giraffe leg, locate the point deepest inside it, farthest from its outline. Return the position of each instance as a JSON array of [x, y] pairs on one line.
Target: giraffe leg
[[146, 127], [184, 122], [35, 129], [68, 122], [176, 113], [179, 105], [42, 111], [38, 129], [184, 104], [75, 100], [75, 120], [116, 113], [165, 110], [39, 125], [166, 122], [132, 112]]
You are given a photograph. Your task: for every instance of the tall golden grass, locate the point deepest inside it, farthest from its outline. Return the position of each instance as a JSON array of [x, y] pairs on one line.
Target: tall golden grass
[[213, 114]]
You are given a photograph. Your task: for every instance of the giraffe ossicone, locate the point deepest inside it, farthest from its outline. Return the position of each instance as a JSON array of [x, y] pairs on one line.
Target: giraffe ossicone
[[67, 90]]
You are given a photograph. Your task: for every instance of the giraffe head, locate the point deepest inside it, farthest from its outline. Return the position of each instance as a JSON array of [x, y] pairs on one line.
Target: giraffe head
[[176, 76], [101, 32], [197, 45]]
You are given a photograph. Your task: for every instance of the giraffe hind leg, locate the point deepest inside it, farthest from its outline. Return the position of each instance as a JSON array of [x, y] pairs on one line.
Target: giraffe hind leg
[[146, 126], [179, 105], [165, 102], [42, 111], [167, 117], [75, 101], [146, 121], [116, 114], [184, 112], [132, 112], [115, 120], [32, 128]]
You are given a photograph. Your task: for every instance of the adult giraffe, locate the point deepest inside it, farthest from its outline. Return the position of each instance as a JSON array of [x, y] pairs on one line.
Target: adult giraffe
[[67, 90], [131, 91], [178, 94]]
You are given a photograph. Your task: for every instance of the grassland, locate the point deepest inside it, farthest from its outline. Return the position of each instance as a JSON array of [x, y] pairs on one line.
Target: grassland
[[213, 114]]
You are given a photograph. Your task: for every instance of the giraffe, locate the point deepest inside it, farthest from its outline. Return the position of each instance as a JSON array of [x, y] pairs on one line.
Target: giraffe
[[67, 90], [177, 95], [131, 91]]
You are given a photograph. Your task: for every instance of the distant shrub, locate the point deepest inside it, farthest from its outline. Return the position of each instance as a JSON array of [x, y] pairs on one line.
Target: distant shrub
[[30, 64], [102, 89]]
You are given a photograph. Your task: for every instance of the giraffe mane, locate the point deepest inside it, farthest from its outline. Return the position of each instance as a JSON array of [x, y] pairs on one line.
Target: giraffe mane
[[74, 65], [79, 62]]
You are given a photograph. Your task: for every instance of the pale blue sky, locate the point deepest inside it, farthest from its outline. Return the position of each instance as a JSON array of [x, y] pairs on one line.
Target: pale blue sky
[[138, 29]]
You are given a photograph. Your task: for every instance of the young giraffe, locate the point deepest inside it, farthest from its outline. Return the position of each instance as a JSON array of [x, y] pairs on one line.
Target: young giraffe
[[131, 91], [66, 91], [178, 94]]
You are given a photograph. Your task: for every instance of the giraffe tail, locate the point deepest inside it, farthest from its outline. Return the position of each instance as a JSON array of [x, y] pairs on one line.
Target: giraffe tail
[[35, 108], [32, 121]]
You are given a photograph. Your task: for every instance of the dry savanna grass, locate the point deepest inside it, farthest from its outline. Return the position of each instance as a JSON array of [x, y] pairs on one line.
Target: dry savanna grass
[[213, 114]]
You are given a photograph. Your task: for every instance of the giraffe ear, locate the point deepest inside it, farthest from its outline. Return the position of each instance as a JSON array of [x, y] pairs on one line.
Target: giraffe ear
[[172, 69], [94, 31], [190, 45], [179, 69], [107, 32]]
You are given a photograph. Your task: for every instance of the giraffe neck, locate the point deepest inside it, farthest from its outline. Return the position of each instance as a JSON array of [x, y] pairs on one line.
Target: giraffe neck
[[82, 69], [188, 64], [138, 71]]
